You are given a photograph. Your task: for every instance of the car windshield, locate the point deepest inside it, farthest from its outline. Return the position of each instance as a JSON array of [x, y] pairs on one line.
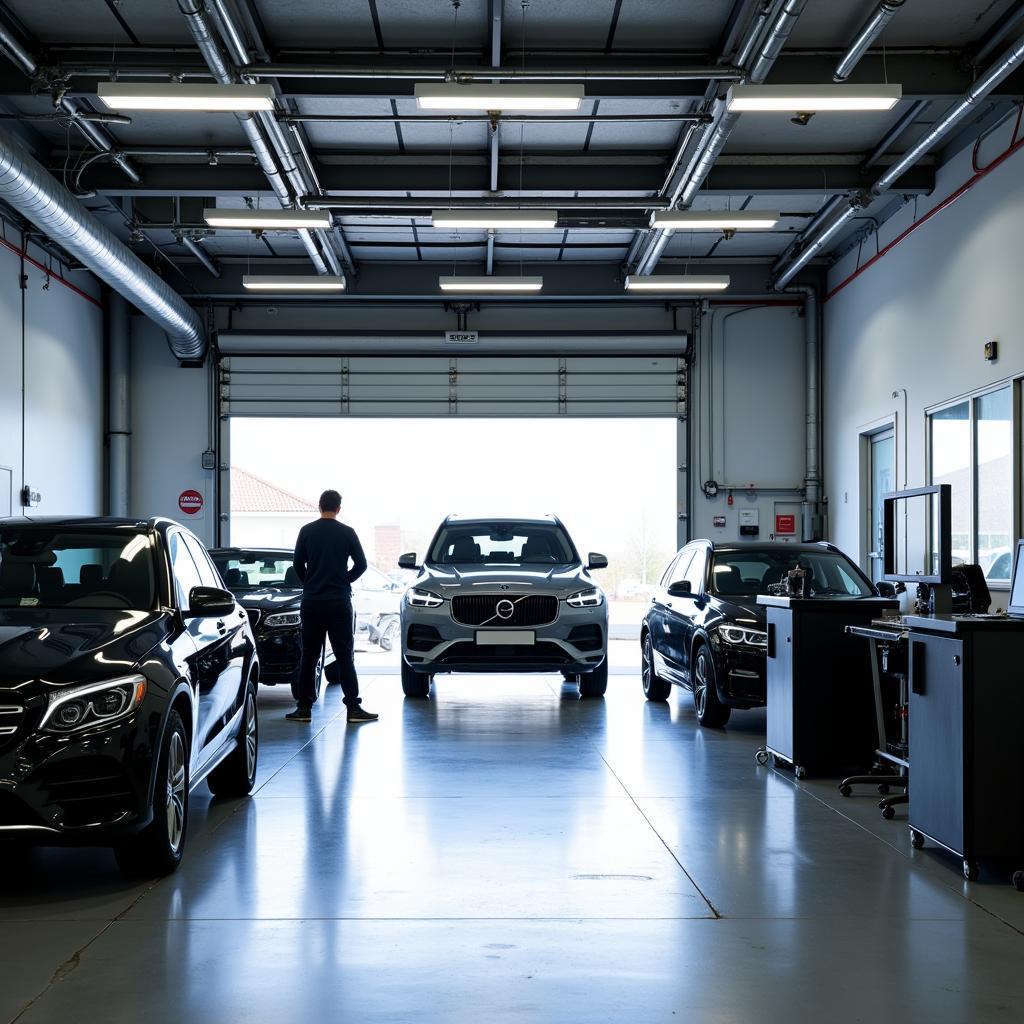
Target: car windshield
[[55, 568], [249, 570], [502, 543], [749, 573]]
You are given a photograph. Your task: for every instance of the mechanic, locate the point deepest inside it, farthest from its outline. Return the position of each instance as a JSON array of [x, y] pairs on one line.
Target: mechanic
[[323, 552]]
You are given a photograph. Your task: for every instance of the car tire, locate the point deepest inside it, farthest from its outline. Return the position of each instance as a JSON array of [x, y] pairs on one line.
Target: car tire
[[236, 774], [655, 688], [711, 712], [415, 684], [594, 684], [158, 848], [318, 678]]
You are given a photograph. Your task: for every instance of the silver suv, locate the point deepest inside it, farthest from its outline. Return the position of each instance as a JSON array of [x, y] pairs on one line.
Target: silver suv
[[504, 595]]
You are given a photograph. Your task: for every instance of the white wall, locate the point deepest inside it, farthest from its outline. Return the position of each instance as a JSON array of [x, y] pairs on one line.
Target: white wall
[[171, 428], [917, 320], [56, 445]]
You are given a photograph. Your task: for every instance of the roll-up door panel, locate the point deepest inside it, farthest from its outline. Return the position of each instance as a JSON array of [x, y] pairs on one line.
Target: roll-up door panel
[[529, 385]]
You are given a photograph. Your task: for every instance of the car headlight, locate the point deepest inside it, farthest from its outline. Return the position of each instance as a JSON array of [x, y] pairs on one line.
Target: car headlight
[[84, 707], [739, 635], [586, 599], [280, 619], [422, 598]]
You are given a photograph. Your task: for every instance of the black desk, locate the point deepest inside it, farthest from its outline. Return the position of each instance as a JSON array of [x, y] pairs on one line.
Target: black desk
[[820, 716]]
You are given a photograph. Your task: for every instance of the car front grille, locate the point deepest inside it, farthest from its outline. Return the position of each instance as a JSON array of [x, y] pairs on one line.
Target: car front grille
[[466, 653], [492, 610]]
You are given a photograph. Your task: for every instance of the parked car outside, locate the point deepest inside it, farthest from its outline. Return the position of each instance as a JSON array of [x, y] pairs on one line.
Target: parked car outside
[[128, 676], [267, 586], [504, 595], [705, 631], [377, 600]]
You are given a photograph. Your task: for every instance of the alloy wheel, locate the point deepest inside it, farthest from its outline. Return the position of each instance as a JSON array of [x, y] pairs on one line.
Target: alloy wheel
[[647, 668], [176, 792], [700, 688], [251, 737]]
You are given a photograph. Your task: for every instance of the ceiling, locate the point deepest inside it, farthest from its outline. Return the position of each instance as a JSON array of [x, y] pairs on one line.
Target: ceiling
[[375, 149]]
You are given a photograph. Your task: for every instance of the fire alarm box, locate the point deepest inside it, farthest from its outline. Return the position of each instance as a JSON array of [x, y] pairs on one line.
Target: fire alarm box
[[749, 522]]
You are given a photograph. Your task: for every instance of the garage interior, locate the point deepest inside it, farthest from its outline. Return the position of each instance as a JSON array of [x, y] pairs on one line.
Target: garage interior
[[506, 849]]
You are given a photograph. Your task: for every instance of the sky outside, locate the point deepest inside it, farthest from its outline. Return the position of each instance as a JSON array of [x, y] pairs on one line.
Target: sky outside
[[611, 481]]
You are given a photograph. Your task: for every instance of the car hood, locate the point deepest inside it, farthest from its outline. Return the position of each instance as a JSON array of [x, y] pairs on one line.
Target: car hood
[[43, 648], [558, 579], [744, 611], [270, 599]]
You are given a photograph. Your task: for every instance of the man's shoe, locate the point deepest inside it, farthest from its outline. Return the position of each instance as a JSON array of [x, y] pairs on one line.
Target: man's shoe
[[300, 715], [357, 714]]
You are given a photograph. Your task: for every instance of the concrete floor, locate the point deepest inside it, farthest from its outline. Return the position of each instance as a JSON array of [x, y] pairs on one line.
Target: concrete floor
[[507, 852]]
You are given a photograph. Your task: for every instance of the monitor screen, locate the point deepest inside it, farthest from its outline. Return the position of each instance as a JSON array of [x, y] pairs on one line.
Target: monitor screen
[[916, 545], [1016, 606]]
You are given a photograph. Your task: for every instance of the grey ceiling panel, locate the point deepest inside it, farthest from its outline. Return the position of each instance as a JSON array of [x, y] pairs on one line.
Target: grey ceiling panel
[[321, 24], [671, 24], [91, 21]]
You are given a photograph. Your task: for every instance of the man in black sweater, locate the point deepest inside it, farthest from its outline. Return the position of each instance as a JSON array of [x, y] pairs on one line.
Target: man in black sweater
[[322, 555]]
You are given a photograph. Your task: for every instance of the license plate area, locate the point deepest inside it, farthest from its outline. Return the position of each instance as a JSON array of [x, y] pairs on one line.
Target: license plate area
[[505, 637]]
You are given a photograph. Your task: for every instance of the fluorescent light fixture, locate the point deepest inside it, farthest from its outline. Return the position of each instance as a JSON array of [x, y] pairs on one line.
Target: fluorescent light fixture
[[293, 283], [497, 96], [185, 96], [491, 284], [714, 220], [808, 99], [680, 283], [542, 220], [266, 220]]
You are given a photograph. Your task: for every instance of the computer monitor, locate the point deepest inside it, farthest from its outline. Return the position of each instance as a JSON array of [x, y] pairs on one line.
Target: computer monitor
[[1016, 605], [918, 538]]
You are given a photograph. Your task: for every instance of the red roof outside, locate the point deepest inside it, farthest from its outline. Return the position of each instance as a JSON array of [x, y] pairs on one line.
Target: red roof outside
[[251, 494]]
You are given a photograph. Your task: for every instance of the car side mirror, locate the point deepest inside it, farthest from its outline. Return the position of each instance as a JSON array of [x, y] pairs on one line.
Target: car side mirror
[[208, 602], [408, 561], [596, 561], [681, 588]]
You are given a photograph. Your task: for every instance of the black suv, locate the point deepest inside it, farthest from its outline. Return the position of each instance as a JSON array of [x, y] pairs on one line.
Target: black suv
[[128, 675], [705, 630]]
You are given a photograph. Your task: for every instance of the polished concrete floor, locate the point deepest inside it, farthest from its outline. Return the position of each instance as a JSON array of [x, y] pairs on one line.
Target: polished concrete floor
[[507, 852]]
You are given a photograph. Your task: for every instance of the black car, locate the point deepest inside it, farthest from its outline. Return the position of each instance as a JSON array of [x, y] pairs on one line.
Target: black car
[[267, 586], [705, 630], [128, 676]]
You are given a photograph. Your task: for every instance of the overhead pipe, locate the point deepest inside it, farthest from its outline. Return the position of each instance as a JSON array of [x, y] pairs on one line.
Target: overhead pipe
[[1004, 27], [118, 405], [197, 249], [418, 74], [334, 201], [19, 53], [810, 508], [29, 188], [503, 118], [875, 25], [724, 122], [1009, 62], [195, 13]]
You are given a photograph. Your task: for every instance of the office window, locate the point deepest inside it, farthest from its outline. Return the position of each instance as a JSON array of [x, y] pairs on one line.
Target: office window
[[972, 448]]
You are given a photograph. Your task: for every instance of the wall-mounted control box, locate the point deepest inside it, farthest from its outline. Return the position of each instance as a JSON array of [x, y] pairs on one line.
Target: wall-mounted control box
[[749, 522]]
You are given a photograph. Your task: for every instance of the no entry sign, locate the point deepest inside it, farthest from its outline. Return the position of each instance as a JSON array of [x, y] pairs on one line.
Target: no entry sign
[[190, 502], [785, 524]]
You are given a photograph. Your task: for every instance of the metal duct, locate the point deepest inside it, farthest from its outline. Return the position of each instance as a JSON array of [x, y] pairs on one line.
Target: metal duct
[[720, 72], [1010, 61], [811, 507], [119, 427], [715, 140], [195, 247], [31, 190], [867, 34]]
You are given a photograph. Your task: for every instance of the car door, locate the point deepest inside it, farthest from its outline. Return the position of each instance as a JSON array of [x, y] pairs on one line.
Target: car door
[[668, 608], [227, 650], [688, 611]]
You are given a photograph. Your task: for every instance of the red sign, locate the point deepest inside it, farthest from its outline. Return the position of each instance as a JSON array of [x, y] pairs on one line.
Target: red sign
[[785, 524], [190, 502]]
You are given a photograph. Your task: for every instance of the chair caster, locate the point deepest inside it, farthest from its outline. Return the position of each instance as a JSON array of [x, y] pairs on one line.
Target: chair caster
[[800, 771], [1018, 881], [916, 839], [888, 812], [883, 789], [846, 790], [761, 756], [970, 870]]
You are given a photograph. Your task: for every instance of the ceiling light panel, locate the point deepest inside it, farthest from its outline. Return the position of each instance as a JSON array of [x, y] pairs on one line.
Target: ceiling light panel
[[266, 220], [293, 283], [480, 96], [537, 220], [807, 99], [185, 96], [715, 220], [490, 284], [680, 283]]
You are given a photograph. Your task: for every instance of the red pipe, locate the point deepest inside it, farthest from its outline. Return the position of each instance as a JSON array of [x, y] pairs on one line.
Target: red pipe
[[49, 273], [945, 204]]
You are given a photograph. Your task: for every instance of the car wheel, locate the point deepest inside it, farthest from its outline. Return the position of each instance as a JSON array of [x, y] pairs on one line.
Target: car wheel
[[594, 684], [389, 636], [415, 684], [655, 688], [236, 774], [158, 848], [711, 712]]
